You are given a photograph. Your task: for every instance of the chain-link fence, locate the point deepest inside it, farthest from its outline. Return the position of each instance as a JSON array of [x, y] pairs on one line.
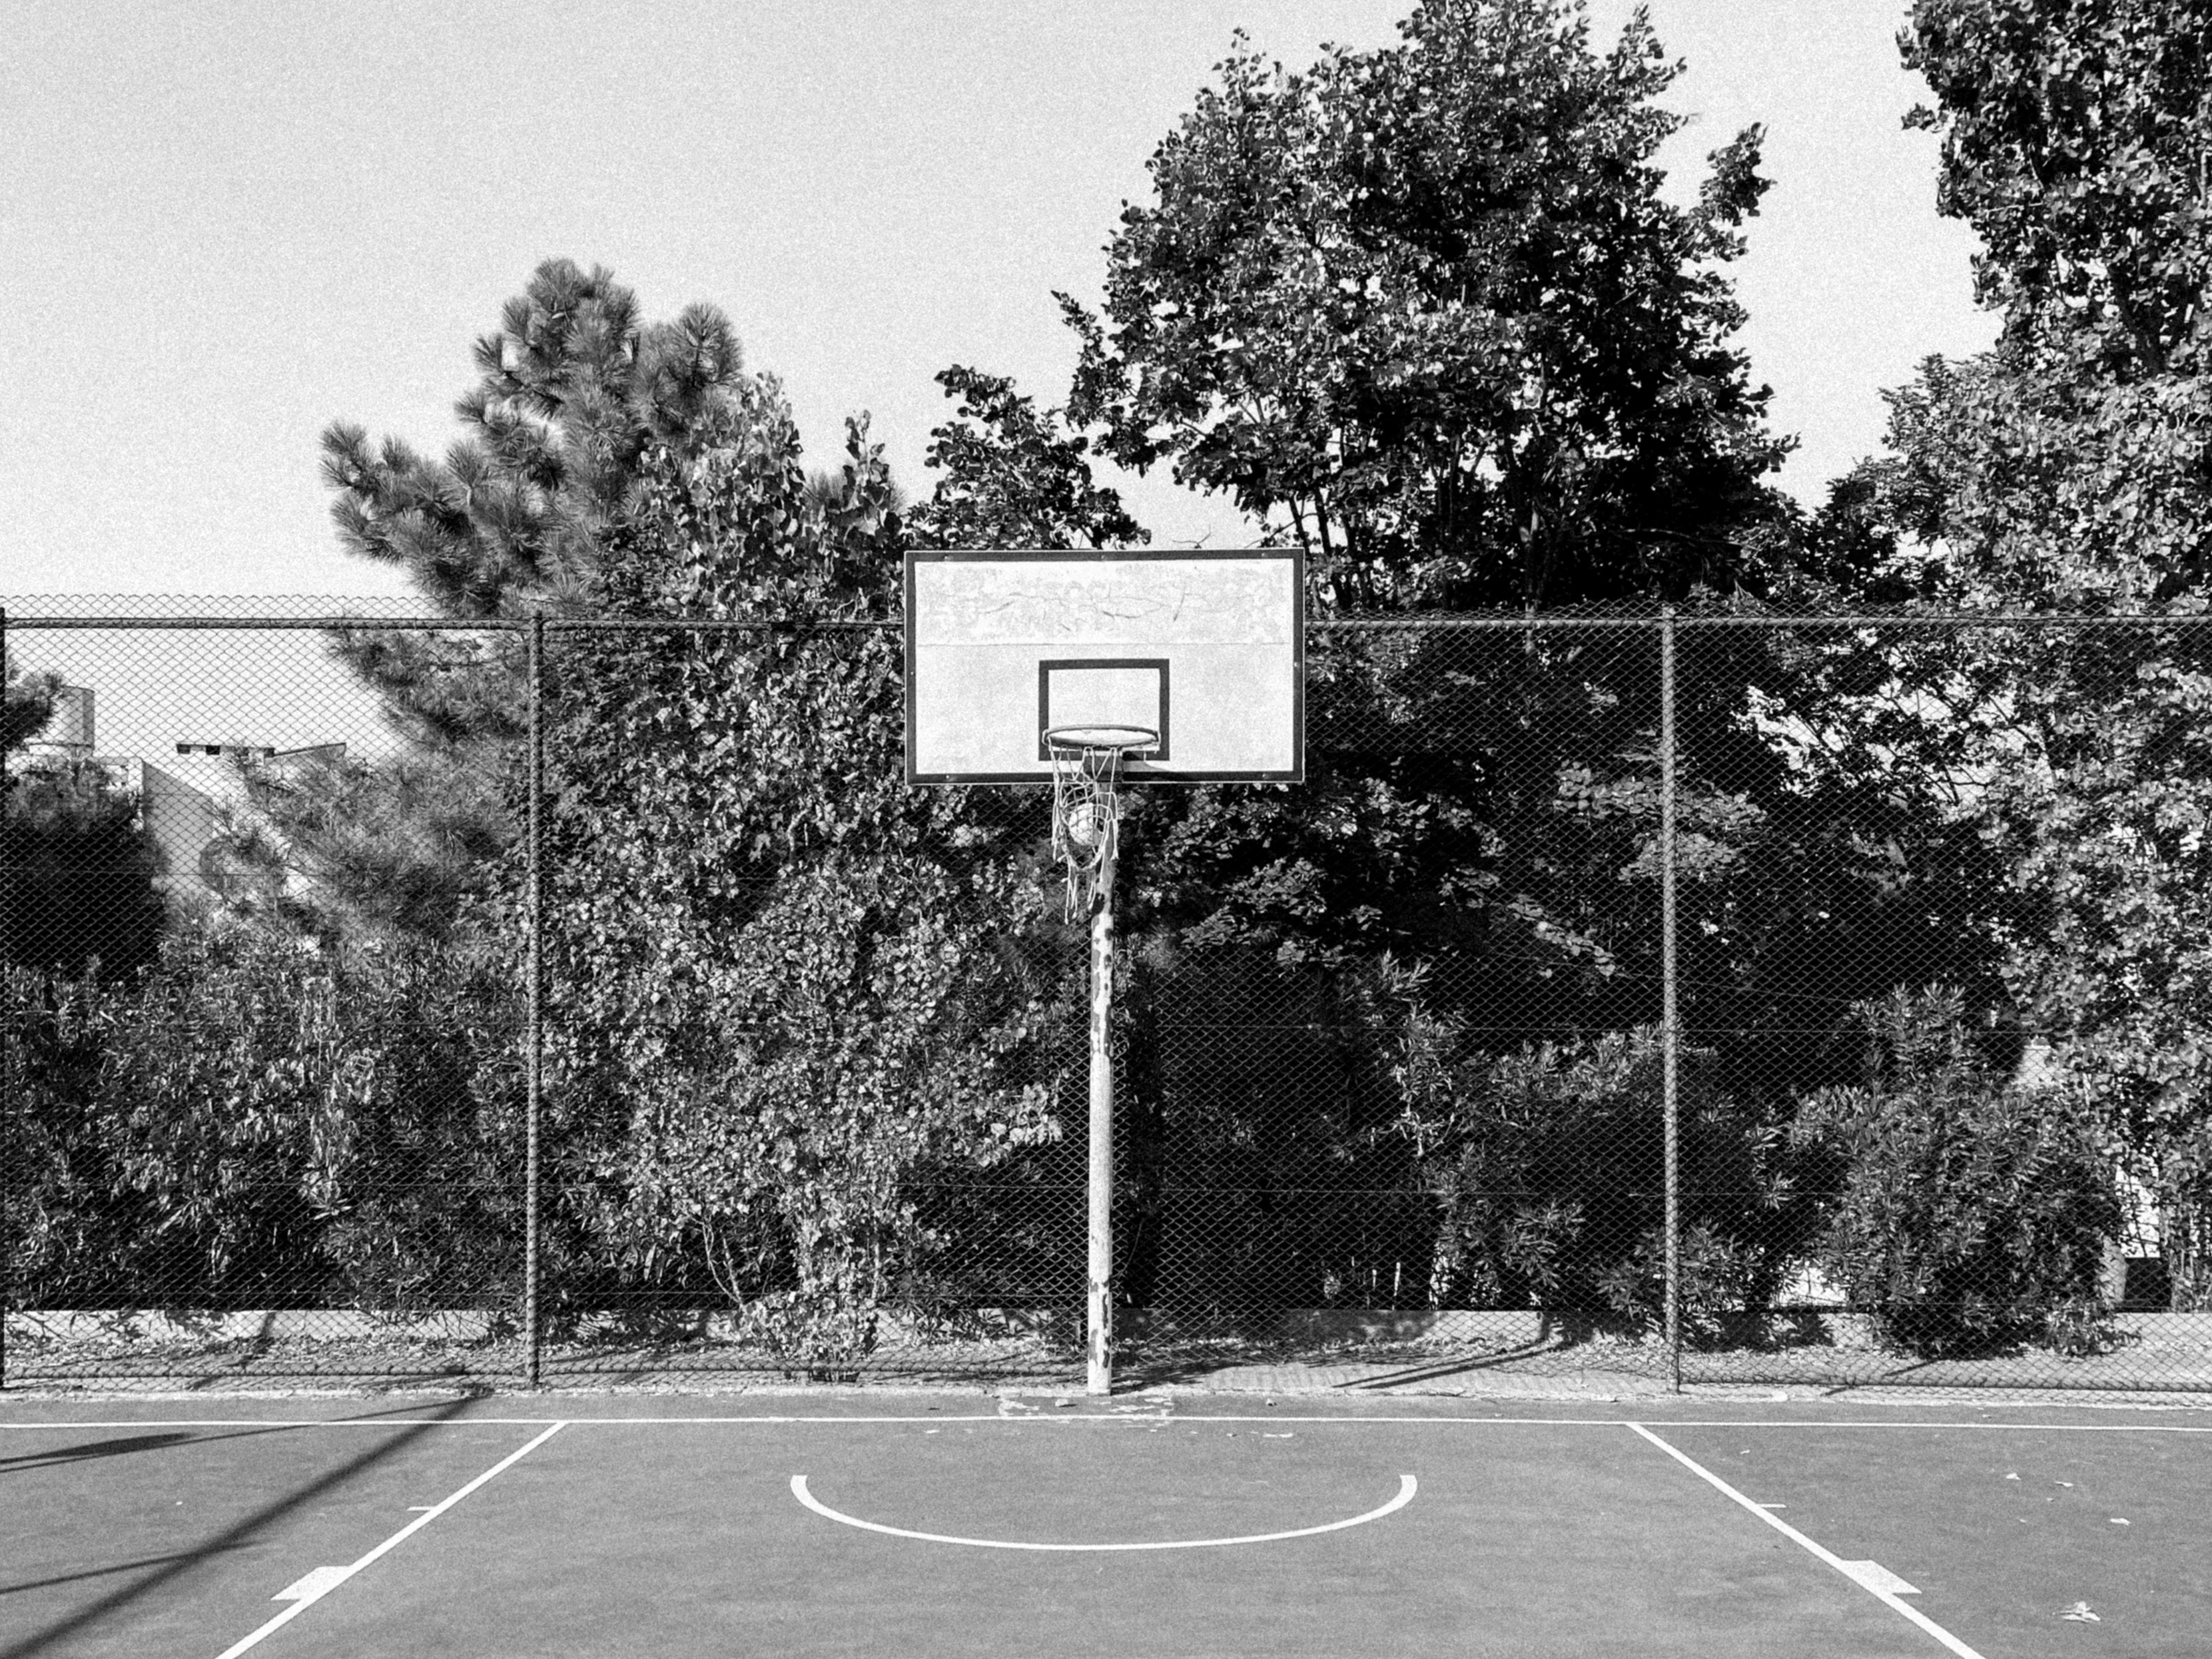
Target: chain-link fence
[[1722, 997]]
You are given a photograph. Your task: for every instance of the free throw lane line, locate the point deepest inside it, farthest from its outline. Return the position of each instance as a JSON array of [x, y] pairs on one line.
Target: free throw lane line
[[1856, 1571], [1406, 1488], [322, 1581]]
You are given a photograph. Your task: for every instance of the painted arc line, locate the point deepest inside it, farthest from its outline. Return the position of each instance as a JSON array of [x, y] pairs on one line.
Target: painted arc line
[[1406, 1488], [323, 1580], [1850, 1570]]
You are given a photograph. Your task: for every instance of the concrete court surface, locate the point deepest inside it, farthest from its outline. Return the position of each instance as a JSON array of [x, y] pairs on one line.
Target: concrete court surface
[[669, 1527]]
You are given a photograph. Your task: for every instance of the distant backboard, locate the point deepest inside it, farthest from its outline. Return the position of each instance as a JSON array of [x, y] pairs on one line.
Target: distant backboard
[[1207, 649]]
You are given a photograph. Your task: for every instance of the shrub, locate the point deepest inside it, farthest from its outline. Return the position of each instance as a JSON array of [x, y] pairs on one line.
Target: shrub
[[1965, 1213], [1547, 1167], [253, 1122]]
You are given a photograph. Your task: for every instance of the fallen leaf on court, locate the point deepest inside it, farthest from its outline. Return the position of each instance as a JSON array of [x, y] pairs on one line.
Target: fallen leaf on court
[[2080, 1614]]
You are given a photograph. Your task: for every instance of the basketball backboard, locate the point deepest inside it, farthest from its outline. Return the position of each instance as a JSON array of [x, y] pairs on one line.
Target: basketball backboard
[[1207, 649]]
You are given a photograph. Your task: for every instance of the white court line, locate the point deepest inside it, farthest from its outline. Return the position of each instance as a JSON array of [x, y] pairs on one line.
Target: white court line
[[1866, 1581], [324, 1580], [2040, 1428], [1152, 1419], [1406, 1488]]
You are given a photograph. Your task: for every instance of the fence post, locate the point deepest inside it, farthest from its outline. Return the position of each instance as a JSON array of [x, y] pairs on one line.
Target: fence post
[[534, 902], [1669, 1030], [7, 1062]]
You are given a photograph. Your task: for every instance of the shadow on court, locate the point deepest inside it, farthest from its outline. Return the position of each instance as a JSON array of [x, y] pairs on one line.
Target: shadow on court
[[83, 1525], [929, 1525], [121, 1447]]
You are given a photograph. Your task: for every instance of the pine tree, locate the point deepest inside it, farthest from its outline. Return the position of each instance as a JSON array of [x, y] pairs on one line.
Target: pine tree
[[573, 390]]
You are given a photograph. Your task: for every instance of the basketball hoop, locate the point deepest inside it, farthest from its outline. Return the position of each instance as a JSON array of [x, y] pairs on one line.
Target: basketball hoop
[[1191, 667], [1086, 768]]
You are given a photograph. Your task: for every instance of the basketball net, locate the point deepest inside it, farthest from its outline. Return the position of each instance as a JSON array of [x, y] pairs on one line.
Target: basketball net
[[1086, 812]]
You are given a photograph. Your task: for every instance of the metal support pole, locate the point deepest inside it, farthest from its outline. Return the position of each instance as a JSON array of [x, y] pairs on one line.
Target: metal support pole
[[1099, 1307], [534, 1060], [1669, 1029]]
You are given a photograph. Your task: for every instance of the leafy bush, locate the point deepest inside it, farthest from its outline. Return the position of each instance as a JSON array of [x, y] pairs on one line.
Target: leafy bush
[[1548, 1166], [253, 1121], [1965, 1213], [76, 887]]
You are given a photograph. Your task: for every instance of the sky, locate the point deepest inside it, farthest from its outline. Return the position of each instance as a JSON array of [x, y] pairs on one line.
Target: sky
[[223, 227]]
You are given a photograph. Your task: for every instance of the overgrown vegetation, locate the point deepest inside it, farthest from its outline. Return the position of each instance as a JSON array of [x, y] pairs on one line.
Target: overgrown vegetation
[[1966, 1211], [251, 1122], [1426, 311]]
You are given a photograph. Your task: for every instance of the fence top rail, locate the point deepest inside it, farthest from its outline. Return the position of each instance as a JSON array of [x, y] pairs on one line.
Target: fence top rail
[[347, 622], [1932, 620], [1929, 621]]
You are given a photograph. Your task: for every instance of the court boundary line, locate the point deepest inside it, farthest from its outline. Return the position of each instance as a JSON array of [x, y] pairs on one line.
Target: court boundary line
[[1889, 1599], [340, 1575], [1407, 1486], [1153, 1420]]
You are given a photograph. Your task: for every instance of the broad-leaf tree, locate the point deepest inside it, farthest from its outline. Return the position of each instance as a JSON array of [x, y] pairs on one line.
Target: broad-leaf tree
[[798, 998], [1428, 310], [2069, 470], [2074, 136], [1012, 476]]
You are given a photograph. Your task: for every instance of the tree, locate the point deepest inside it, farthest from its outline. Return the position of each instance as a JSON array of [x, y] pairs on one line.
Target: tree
[[575, 389], [2069, 470], [1424, 311], [1427, 310], [1427, 306], [1013, 478], [76, 873], [2074, 134], [2068, 467], [795, 992]]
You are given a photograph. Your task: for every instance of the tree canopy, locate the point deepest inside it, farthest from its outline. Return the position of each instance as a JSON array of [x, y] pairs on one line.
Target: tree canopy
[[2067, 469], [1427, 310], [791, 987], [1009, 475], [574, 389], [2074, 133], [76, 873]]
